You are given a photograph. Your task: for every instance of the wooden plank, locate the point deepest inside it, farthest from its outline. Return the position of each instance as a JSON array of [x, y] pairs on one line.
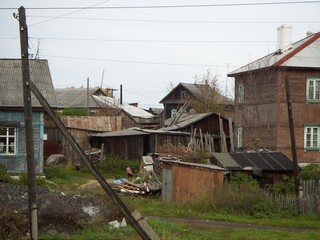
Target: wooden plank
[[144, 225]]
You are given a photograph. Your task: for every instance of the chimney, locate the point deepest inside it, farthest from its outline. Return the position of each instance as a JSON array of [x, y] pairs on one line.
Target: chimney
[[284, 37]]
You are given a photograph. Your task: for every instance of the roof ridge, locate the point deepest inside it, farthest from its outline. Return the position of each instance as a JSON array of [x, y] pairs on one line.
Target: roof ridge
[[312, 38]]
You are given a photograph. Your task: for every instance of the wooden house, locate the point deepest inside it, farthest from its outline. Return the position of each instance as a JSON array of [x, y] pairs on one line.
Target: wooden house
[[261, 113], [185, 93], [186, 182], [219, 128], [12, 123]]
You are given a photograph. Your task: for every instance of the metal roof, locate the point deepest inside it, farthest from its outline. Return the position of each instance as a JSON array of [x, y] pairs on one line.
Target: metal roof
[[11, 88], [271, 161], [227, 161], [77, 97], [303, 54]]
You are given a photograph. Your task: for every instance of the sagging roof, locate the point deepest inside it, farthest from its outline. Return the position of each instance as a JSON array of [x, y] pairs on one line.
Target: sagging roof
[[187, 120], [304, 53], [266, 161], [11, 88], [77, 97]]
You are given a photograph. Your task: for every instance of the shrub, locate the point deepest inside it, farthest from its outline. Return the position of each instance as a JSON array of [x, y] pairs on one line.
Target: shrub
[[117, 165], [242, 178], [4, 176], [310, 172]]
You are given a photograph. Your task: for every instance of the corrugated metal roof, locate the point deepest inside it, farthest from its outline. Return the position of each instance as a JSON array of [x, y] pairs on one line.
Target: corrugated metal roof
[[273, 161], [77, 97], [122, 133], [227, 161], [11, 88], [129, 109], [304, 54]]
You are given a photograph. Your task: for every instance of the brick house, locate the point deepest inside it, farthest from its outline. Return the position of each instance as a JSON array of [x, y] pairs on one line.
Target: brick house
[[261, 115]]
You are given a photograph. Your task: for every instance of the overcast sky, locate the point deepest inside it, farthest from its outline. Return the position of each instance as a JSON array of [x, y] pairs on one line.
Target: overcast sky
[[149, 45]]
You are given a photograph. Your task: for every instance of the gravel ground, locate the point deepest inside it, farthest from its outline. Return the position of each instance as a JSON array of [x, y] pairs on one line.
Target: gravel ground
[[59, 213]]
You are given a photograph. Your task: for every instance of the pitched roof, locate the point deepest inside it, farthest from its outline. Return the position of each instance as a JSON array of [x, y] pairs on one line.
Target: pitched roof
[[304, 53], [11, 88], [227, 161], [77, 97], [194, 90]]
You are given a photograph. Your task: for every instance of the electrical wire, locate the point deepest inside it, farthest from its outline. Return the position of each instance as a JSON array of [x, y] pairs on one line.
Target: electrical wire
[[171, 6], [136, 62]]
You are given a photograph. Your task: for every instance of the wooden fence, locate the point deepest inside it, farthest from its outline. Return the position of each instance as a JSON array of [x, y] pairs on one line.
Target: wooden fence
[[309, 197]]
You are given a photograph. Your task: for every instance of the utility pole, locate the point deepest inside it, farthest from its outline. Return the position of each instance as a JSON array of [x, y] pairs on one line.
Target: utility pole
[[293, 147], [121, 94], [88, 96], [33, 209]]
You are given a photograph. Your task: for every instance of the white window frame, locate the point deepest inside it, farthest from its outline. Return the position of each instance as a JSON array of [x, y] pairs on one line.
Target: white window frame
[[173, 112], [7, 146], [239, 137], [241, 93], [313, 89], [312, 137]]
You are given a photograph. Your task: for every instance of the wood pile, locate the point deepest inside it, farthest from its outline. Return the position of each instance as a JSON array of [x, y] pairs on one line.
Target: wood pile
[[125, 186]]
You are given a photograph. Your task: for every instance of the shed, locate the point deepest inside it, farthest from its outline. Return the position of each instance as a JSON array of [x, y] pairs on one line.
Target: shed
[[135, 142], [184, 182]]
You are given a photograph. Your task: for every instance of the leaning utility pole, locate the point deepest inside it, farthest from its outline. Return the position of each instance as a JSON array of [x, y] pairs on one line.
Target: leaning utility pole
[[293, 147], [33, 210]]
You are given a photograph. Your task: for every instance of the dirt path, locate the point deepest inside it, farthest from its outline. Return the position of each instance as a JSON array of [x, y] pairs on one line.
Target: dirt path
[[230, 225]]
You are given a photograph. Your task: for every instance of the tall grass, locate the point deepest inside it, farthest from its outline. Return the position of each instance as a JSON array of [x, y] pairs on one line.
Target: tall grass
[[117, 166]]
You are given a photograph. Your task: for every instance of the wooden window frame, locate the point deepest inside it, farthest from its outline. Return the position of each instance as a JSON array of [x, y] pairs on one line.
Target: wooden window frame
[[312, 137], [239, 137], [7, 146], [240, 93], [313, 96]]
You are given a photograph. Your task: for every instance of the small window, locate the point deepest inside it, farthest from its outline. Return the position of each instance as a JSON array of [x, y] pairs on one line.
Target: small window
[[311, 137], [239, 137], [240, 93], [313, 89], [173, 112], [7, 140]]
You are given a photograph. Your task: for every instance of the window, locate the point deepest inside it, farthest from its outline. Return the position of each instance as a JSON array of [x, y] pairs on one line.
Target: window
[[311, 137], [240, 93], [239, 137], [173, 112], [313, 89], [7, 140]]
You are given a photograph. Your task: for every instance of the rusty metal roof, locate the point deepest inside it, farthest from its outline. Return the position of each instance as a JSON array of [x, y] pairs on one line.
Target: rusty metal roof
[[11, 88], [303, 54], [194, 165]]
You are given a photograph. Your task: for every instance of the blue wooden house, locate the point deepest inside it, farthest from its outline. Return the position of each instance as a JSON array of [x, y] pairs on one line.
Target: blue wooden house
[[12, 124]]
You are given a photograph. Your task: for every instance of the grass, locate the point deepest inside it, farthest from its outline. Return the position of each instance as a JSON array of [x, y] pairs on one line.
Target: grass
[[65, 178]]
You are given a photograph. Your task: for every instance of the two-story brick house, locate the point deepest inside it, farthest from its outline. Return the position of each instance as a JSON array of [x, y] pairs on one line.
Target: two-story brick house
[[261, 113]]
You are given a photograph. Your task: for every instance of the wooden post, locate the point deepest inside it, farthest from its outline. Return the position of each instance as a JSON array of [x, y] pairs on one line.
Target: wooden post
[[293, 146], [33, 209], [79, 151], [231, 135]]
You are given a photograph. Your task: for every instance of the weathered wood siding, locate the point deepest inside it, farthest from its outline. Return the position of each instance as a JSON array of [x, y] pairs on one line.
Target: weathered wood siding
[[18, 163], [189, 183], [157, 140]]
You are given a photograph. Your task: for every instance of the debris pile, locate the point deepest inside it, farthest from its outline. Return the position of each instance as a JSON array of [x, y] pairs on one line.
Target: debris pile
[[123, 185]]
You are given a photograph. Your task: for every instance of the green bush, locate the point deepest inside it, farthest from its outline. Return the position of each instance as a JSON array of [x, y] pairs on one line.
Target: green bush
[[242, 178], [310, 172], [117, 165], [55, 172], [4, 176]]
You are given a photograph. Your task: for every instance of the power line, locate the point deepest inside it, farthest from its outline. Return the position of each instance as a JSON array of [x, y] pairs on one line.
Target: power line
[[177, 21], [150, 41], [170, 6], [137, 62]]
